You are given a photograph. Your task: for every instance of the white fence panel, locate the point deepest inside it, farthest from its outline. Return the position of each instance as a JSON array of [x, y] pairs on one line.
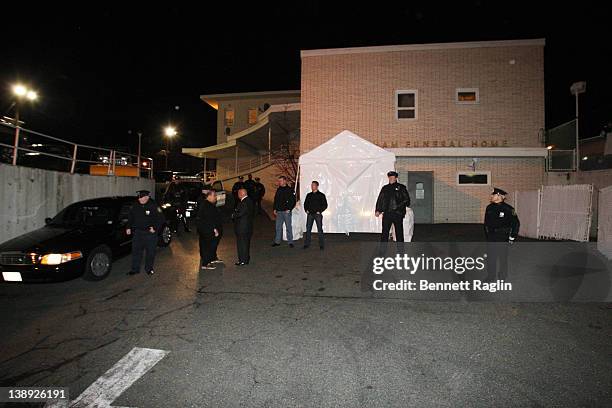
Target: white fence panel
[[604, 225], [527, 206], [566, 212]]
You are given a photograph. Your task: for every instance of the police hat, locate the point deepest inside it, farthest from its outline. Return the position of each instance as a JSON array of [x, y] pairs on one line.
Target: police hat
[[499, 191], [143, 193], [392, 173]]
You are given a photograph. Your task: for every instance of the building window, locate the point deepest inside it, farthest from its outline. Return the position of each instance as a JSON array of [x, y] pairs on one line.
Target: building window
[[406, 103], [252, 116], [229, 117], [467, 96], [472, 178]]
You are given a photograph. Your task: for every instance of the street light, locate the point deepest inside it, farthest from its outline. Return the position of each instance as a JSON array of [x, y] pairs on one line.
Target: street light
[[576, 89], [169, 132], [20, 92]]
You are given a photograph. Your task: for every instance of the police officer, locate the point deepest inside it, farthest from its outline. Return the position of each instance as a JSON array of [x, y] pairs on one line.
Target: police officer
[[501, 225], [144, 221], [392, 202]]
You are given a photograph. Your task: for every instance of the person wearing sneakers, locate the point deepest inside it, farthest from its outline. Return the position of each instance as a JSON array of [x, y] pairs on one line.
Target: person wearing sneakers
[[284, 203]]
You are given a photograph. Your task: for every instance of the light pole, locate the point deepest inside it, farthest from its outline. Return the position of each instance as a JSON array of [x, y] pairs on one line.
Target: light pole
[[139, 151], [20, 92], [576, 89], [169, 132]]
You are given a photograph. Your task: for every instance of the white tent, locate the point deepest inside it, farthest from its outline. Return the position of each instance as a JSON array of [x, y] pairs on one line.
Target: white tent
[[350, 171]]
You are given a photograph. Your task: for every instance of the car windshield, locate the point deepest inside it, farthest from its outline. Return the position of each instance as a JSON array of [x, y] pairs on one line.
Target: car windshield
[[83, 214]]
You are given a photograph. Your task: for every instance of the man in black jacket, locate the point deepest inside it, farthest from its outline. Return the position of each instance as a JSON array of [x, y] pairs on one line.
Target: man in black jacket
[[260, 191], [314, 205], [284, 203], [208, 221], [249, 185], [243, 227], [237, 186], [144, 221], [392, 202]]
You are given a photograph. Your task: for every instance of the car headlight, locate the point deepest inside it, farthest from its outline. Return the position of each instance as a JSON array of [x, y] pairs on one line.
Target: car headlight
[[56, 259], [167, 205]]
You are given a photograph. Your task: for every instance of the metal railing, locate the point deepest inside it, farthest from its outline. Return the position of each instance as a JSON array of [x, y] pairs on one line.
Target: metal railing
[[20, 146], [245, 166]]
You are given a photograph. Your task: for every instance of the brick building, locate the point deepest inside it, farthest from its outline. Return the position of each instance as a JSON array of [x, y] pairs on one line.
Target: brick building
[[460, 117]]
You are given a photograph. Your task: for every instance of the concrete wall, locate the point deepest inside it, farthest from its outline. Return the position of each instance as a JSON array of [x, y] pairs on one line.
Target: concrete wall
[[598, 178], [29, 195], [356, 91]]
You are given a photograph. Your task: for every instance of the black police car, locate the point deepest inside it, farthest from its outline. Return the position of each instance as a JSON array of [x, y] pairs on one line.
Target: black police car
[[82, 239]]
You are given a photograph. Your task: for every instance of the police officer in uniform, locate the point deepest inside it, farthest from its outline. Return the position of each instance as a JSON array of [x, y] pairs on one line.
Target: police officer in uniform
[[501, 226], [144, 221], [392, 202]]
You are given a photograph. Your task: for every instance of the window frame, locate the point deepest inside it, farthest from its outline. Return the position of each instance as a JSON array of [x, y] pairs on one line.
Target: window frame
[[399, 92], [225, 116], [473, 173], [465, 90]]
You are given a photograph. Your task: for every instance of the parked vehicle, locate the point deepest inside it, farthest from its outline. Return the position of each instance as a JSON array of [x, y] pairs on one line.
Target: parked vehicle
[[82, 239], [180, 200]]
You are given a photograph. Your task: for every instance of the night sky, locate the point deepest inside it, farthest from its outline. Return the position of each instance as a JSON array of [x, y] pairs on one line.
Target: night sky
[[103, 71]]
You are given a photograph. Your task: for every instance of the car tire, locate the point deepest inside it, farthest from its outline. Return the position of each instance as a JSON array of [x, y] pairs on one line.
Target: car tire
[[165, 236], [98, 264]]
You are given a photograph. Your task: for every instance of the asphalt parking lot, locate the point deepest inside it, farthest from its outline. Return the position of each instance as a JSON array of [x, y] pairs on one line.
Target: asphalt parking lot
[[294, 329]]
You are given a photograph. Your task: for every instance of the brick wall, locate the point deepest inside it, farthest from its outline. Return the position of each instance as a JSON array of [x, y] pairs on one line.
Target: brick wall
[[466, 204], [357, 92]]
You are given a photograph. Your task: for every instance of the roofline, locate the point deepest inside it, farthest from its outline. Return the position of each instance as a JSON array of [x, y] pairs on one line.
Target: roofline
[[213, 99], [422, 47]]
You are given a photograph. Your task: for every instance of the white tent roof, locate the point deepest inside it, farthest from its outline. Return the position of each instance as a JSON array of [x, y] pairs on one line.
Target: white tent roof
[[346, 146]]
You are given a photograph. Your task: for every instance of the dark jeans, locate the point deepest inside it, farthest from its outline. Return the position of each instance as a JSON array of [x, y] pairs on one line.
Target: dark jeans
[[310, 219], [243, 242], [207, 249], [258, 206], [143, 241], [397, 220]]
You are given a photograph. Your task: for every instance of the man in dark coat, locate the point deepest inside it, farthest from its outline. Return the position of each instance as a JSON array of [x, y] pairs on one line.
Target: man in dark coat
[[144, 221], [237, 186], [249, 185], [391, 203], [208, 222], [501, 226], [314, 205], [243, 227], [260, 192]]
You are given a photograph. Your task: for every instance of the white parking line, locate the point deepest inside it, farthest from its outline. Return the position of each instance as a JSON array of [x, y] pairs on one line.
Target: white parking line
[[115, 381]]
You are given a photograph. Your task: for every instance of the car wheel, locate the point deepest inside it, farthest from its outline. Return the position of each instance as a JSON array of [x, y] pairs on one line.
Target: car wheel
[[165, 236], [99, 263]]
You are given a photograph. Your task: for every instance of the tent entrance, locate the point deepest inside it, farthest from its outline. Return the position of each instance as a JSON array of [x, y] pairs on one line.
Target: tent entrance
[[420, 187]]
